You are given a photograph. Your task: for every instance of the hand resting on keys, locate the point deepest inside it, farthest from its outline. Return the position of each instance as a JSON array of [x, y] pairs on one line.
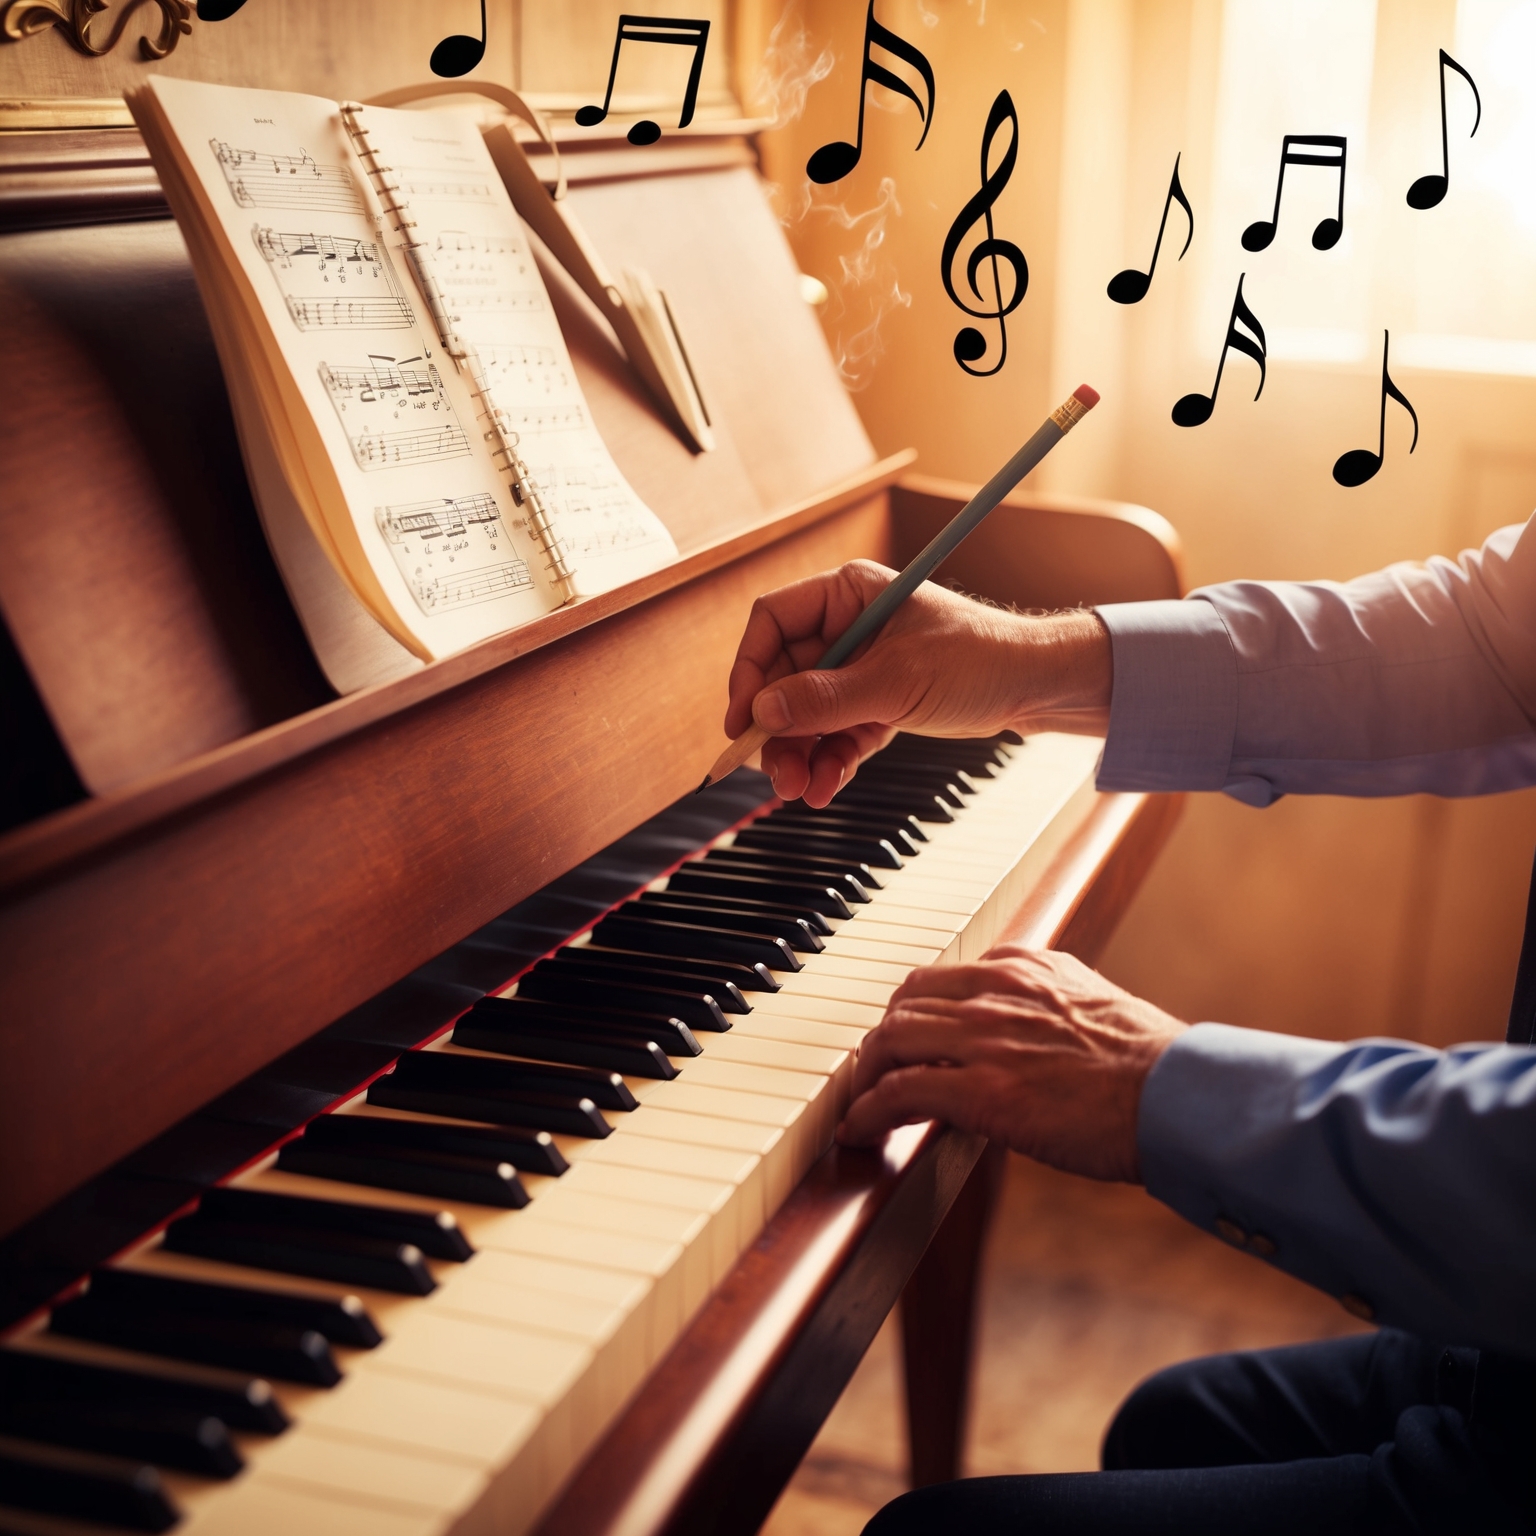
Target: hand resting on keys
[[944, 665], [1026, 1047]]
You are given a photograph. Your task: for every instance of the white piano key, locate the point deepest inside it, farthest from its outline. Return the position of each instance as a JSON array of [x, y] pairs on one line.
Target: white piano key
[[255, 1506], [837, 1037], [694, 1127]]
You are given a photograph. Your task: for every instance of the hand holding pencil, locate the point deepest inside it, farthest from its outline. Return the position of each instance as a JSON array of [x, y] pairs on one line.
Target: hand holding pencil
[[829, 668]]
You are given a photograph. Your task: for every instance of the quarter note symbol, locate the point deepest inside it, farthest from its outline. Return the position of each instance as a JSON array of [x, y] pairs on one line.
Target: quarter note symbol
[[1130, 286], [459, 54], [1427, 191], [834, 161], [1192, 410], [1359, 464], [1325, 149], [970, 344], [679, 31]]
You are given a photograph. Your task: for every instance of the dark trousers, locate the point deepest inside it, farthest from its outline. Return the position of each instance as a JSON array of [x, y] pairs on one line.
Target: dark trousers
[[1360, 1435]]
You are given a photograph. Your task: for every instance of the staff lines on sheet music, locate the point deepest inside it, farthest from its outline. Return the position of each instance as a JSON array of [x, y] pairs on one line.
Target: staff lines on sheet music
[[260, 180], [377, 406], [384, 377], [379, 450], [448, 518], [360, 292], [423, 182], [427, 536]]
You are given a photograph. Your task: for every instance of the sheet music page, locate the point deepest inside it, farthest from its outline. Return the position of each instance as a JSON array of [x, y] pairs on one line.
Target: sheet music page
[[435, 519], [479, 252]]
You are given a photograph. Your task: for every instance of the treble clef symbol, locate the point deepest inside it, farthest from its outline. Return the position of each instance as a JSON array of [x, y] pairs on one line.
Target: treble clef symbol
[[970, 344]]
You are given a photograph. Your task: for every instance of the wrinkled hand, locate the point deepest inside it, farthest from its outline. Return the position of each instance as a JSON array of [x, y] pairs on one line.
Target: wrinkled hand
[[944, 665], [1027, 1047]]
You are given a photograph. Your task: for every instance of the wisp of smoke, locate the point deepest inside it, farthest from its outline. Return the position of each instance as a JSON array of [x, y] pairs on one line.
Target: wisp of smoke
[[865, 288], [787, 73]]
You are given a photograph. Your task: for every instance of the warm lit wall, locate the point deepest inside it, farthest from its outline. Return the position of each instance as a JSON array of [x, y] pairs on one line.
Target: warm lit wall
[[1319, 916]]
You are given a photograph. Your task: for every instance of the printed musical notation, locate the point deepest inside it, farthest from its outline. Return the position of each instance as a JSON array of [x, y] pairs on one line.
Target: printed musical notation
[[1328, 150], [1360, 464], [432, 186], [1429, 191], [334, 282], [393, 413], [258, 180], [678, 31], [970, 343], [1192, 410], [530, 376], [595, 510], [1130, 286], [453, 553], [835, 160]]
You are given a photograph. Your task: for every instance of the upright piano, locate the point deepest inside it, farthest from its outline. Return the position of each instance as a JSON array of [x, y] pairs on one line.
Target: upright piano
[[416, 1107]]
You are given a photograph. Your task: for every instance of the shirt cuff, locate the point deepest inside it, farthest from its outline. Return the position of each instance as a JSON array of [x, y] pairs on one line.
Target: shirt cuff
[[1212, 1091], [1173, 712]]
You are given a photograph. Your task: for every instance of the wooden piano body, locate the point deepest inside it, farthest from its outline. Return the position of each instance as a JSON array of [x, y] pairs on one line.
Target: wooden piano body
[[214, 856]]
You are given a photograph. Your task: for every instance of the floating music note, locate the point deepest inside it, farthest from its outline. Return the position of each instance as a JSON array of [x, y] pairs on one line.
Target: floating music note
[[459, 54], [1333, 148], [1427, 191], [1130, 286], [1359, 464], [834, 161], [1192, 410], [679, 31], [217, 10], [970, 344]]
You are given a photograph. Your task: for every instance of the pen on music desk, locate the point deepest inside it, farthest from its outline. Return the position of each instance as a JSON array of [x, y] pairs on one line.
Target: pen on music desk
[[869, 623]]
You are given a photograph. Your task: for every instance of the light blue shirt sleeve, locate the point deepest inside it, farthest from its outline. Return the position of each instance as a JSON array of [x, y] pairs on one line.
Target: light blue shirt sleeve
[[1417, 678], [1379, 1170]]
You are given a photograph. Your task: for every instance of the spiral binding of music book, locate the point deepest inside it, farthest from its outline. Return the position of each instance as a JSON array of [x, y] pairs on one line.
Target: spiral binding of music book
[[504, 441]]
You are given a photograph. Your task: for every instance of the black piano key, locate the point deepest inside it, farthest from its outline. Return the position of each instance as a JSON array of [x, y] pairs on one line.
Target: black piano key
[[440, 1069], [436, 1233], [563, 1114], [906, 832], [743, 978], [856, 880], [340, 1256], [629, 1054], [240, 1401], [258, 1101], [871, 853], [443, 1175], [696, 1010], [672, 1035], [802, 928], [841, 875], [173, 1437], [655, 973], [532, 1151], [84, 1485], [921, 807], [242, 1344], [343, 1319], [956, 788], [694, 877], [629, 931]]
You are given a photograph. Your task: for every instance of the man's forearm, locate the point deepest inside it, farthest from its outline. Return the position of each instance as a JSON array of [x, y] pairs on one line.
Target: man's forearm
[[1401, 1177]]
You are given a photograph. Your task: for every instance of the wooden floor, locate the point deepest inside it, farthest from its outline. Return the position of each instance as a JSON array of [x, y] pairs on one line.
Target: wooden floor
[[1089, 1288]]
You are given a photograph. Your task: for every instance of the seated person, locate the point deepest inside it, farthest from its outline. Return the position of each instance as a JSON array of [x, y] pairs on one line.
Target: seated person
[[1398, 1178]]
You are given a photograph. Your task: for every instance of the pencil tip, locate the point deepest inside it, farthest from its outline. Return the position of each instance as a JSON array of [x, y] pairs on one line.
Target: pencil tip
[[705, 785]]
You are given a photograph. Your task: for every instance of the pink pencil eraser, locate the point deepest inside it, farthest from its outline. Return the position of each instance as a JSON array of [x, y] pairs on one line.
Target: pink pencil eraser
[[1088, 395]]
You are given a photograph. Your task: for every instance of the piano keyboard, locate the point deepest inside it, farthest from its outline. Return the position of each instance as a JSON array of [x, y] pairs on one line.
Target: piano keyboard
[[421, 1313]]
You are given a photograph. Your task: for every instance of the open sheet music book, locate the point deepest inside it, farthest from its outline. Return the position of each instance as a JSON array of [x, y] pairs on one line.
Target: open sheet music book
[[375, 433]]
